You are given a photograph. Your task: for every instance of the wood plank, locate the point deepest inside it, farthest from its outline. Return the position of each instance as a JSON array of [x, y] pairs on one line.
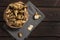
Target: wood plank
[[7, 38], [58, 38], [7, 2], [43, 29], [58, 3], [32, 38], [52, 14], [47, 29], [42, 38], [37, 3]]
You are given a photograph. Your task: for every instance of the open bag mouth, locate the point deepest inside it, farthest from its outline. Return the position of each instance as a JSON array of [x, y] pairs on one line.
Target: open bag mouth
[[26, 17], [16, 14]]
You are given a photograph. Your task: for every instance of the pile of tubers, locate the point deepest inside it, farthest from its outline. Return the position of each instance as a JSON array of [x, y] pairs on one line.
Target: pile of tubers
[[16, 14]]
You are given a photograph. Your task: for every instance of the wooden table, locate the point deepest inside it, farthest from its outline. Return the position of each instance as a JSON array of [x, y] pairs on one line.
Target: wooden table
[[48, 29]]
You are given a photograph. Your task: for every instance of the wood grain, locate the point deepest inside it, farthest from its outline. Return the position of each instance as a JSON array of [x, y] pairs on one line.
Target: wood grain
[[43, 29], [45, 3], [7, 38], [42, 38], [49, 29], [52, 14], [31, 38]]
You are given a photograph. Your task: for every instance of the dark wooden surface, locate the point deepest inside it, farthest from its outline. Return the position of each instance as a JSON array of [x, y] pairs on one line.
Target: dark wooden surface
[[48, 29]]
